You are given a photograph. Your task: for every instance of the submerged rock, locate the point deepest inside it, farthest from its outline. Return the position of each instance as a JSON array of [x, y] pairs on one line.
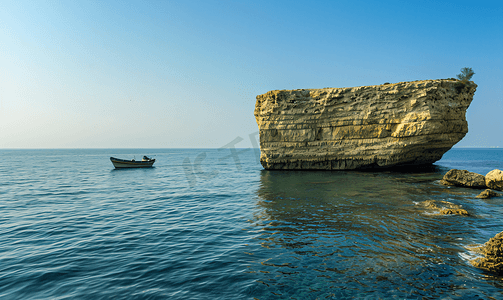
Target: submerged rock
[[494, 180], [488, 193], [407, 123], [493, 255], [445, 207], [464, 178]]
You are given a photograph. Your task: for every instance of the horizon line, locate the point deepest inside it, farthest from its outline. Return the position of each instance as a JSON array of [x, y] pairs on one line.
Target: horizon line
[[129, 148]]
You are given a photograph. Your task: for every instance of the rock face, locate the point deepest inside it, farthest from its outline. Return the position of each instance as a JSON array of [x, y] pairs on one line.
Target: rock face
[[407, 123], [493, 255], [464, 178], [494, 180]]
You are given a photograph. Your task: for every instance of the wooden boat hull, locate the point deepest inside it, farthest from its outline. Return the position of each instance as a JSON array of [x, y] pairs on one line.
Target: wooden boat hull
[[122, 163]]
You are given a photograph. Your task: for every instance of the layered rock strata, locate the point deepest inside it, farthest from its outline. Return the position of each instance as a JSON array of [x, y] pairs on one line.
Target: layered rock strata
[[407, 123]]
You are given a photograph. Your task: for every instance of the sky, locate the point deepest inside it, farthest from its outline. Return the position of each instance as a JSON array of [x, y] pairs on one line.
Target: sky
[[185, 74]]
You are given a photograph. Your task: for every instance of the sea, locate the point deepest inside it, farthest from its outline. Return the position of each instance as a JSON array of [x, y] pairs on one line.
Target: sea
[[213, 224]]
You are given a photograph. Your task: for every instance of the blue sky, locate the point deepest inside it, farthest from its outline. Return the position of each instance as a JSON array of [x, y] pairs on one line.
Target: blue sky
[[184, 74]]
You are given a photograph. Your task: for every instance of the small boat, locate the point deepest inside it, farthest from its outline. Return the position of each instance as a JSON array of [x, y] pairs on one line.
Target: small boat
[[118, 163]]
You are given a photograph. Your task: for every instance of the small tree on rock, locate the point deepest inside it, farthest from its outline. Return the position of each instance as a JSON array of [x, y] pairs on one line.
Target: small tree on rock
[[466, 74]]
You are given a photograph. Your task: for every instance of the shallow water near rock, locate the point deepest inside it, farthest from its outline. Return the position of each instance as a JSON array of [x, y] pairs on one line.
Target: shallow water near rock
[[212, 224]]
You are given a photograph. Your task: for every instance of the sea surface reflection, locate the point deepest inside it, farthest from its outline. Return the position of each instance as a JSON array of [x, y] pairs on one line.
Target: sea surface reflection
[[340, 235]]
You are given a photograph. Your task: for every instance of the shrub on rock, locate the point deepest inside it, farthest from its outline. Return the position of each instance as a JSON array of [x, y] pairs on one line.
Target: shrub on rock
[[466, 74]]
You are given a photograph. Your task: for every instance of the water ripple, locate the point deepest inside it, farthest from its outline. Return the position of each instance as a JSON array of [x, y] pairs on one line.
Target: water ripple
[[83, 230]]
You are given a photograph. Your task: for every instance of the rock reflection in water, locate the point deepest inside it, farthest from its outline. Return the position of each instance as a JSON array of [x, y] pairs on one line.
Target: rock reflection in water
[[342, 234]]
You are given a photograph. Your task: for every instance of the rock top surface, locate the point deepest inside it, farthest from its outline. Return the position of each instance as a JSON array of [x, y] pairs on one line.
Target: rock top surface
[[407, 123]]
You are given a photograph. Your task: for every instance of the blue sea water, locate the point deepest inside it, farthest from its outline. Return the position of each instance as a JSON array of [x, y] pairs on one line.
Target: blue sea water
[[212, 224]]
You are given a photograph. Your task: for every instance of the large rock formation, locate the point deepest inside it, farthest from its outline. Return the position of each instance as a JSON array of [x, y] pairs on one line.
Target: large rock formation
[[407, 123]]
